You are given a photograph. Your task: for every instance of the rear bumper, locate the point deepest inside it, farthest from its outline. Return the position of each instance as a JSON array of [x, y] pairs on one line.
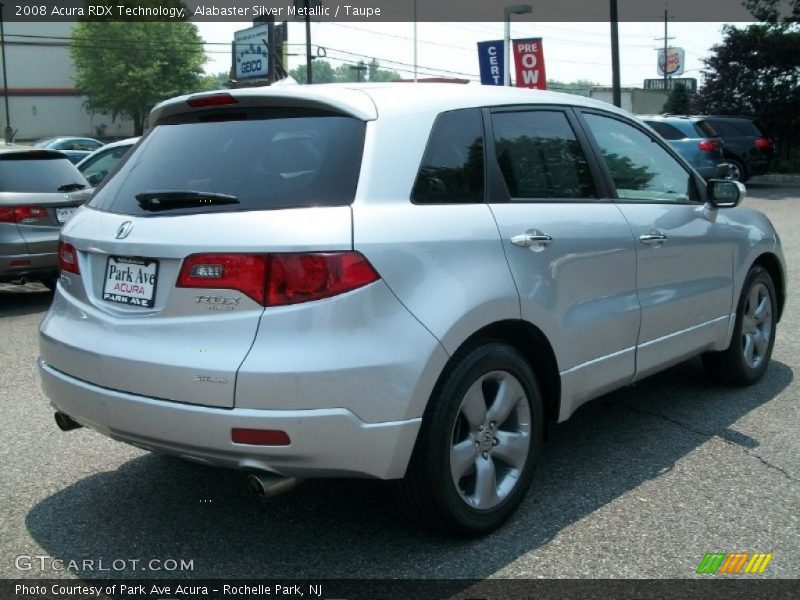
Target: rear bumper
[[324, 442], [30, 266]]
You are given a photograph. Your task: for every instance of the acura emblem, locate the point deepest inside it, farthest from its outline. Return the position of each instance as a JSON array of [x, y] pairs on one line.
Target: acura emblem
[[124, 230]]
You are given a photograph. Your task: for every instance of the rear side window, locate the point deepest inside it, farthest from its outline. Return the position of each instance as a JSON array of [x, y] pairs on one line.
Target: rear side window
[[540, 157], [452, 167], [261, 158], [668, 132], [19, 174]]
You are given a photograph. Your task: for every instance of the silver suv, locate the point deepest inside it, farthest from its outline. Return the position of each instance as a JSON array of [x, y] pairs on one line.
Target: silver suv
[[398, 281]]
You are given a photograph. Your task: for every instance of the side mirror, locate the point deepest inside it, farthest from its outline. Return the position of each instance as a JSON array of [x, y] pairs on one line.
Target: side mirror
[[95, 178], [725, 193]]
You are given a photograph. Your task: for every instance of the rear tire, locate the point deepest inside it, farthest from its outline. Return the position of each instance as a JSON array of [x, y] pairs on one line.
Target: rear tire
[[738, 171], [747, 357], [480, 439]]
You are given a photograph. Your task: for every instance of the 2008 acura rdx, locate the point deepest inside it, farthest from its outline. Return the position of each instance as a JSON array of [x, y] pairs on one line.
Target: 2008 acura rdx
[[396, 281]]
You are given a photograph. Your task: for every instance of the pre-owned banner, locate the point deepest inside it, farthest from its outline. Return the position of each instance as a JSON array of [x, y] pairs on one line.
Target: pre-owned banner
[[529, 61]]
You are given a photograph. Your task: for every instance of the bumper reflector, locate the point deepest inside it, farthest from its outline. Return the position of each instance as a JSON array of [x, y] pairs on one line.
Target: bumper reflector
[[260, 437]]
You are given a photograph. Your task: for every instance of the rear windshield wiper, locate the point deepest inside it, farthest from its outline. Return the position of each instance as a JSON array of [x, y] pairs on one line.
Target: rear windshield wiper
[[170, 200], [71, 187]]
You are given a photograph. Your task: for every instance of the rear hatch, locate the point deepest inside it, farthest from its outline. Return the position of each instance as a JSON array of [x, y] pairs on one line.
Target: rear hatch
[[40, 190], [165, 278]]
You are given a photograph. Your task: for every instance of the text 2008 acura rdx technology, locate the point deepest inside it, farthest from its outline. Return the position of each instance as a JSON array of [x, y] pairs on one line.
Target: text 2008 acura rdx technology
[[405, 282]]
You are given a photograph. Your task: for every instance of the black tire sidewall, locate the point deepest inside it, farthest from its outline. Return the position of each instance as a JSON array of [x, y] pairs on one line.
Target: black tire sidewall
[[484, 359], [751, 375]]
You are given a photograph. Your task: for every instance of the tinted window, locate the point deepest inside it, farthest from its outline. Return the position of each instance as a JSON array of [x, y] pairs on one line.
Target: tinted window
[[19, 174], [705, 129], [264, 158], [452, 167], [668, 132], [540, 157], [640, 167], [735, 127]]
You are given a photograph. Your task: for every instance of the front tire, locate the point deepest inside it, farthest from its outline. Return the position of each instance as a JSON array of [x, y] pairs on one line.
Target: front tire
[[479, 443], [747, 357]]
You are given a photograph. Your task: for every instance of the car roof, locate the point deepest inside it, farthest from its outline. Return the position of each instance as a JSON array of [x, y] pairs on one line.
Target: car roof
[[368, 100], [126, 142]]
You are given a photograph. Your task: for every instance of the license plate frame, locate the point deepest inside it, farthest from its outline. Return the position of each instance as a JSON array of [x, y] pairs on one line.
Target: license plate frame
[[65, 213], [131, 281]]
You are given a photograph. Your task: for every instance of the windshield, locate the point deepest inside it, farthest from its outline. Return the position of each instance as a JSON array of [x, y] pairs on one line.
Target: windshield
[[265, 159]]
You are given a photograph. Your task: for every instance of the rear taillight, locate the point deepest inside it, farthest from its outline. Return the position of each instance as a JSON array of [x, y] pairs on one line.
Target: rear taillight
[[709, 145], [68, 258], [763, 143], [22, 214], [279, 279]]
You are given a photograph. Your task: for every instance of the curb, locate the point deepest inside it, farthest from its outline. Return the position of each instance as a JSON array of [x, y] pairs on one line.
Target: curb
[[777, 178]]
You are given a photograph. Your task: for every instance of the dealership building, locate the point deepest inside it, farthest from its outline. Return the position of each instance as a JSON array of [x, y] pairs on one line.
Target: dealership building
[[42, 98]]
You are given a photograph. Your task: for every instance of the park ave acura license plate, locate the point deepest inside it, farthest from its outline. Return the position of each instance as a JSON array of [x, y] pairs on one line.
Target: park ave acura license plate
[[131, 281]]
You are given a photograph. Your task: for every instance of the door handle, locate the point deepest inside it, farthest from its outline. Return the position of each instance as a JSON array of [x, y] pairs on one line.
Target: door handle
[[654, 237], [526, 240]]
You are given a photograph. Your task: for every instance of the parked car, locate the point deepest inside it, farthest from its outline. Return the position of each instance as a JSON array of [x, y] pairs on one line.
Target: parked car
[[39, 191], [99, 163], [745, 145], [76, 148], [406, 283], [692, 139]]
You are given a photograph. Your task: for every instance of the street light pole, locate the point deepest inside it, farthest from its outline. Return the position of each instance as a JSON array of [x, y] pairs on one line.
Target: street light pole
[[517, 9], [8, 133]]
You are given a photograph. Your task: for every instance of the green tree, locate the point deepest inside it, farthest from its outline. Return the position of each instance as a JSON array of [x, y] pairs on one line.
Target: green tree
[[126, 68], [755, 71], [770, 10], [678, 101], [323, 72]]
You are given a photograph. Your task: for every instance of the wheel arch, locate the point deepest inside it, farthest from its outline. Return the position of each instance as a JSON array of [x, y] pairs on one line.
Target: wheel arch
[[534, 346], [772, 264]]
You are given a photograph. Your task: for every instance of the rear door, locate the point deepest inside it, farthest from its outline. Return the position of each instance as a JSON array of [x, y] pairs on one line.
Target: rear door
[[169, 295], [569, 248]]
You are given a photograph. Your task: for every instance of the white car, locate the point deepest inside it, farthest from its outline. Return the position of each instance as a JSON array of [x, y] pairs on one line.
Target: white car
[[397, 281], [102, 161]]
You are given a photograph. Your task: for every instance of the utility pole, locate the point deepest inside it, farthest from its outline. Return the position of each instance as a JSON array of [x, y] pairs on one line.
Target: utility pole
[[666, 47], [309, 76], [8, 133], [615, 77]]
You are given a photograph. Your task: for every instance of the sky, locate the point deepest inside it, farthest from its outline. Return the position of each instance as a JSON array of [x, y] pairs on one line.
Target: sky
[[573, 51]]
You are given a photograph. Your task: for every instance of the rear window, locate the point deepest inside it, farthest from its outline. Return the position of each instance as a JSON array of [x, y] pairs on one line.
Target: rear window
[[735, 127], [668, 132], [19, 174], [263, 158]]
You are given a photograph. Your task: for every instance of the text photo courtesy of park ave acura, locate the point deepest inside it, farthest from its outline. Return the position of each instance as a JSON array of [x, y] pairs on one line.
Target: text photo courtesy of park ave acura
[[431, 299]]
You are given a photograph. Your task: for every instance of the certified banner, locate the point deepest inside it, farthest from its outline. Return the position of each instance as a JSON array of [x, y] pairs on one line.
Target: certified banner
[[529, 61], [491, 58]]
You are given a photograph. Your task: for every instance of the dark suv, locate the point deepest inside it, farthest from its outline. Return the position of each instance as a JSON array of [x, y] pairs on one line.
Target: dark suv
[[39, 192], [745, 145]]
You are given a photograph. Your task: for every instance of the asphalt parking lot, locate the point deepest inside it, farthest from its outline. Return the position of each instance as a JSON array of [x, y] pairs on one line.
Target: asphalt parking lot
[[638, 484]]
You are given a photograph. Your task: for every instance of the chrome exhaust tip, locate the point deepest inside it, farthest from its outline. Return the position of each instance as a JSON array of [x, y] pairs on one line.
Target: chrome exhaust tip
[[267, 485]]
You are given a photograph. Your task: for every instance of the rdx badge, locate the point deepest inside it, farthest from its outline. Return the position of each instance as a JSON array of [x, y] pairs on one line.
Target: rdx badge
[[219, 302]]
